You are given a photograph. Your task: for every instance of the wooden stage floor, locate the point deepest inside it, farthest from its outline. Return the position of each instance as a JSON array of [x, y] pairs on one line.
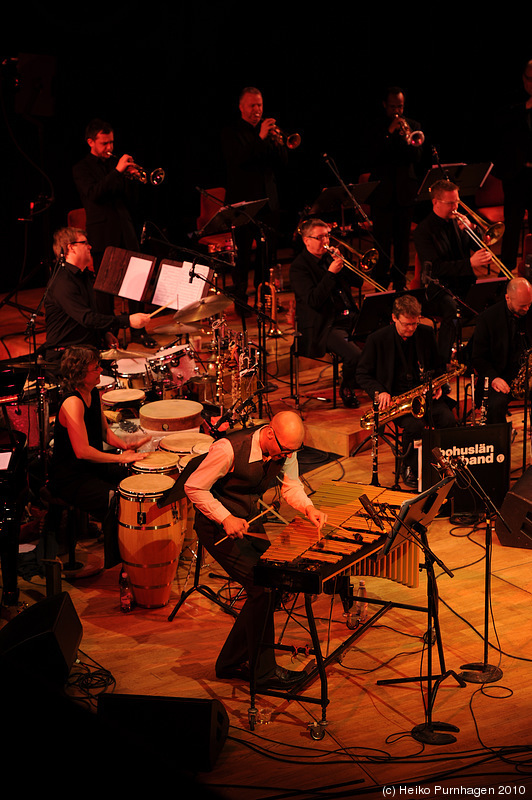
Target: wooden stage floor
[[368, 749]]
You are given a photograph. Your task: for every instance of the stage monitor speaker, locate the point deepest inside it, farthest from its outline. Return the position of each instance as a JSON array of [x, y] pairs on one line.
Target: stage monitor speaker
[[485, 449], [192, 731], [516, 510], [43, 639]]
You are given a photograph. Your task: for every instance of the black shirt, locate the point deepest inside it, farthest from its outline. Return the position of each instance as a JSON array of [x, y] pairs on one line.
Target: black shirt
[[71, 318]]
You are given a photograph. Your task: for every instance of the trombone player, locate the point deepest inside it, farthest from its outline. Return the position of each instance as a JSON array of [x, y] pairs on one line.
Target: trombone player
[[449, 258], [325, 308], [396, 359]]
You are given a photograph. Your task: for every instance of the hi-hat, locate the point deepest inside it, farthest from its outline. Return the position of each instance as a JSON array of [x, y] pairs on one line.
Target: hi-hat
[[207, 307]]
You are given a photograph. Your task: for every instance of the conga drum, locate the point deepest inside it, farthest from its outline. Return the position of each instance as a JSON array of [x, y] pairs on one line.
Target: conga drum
[[184, 442], [150, 538], [158, 463]]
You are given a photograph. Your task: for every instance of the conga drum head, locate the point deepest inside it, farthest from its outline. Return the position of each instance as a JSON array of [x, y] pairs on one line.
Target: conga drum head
[[123, 396], [157, 461], [186, 442]]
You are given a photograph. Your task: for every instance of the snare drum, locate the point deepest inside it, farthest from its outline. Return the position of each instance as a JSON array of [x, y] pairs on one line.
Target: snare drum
[[172, 363], [107, 384], [131, 373], [150, 538]]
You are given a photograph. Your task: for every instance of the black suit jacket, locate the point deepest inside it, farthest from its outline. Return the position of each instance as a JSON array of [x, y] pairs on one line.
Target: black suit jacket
[[107, 197], [450, 257], [492, 354], [314, 288], [380, 364]]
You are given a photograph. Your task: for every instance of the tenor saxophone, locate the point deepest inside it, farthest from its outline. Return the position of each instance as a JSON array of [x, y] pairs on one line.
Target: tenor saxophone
[[411, 402]]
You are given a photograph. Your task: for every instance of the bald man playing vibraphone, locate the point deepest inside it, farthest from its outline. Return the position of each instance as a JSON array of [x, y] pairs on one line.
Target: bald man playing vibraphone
[[225, 490]]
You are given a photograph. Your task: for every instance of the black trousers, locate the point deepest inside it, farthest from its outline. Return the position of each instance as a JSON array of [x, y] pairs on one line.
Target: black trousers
[[254, 624]]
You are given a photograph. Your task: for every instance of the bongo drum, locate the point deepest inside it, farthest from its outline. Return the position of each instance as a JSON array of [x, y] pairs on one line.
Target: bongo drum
[[150, 538], [158, 463]]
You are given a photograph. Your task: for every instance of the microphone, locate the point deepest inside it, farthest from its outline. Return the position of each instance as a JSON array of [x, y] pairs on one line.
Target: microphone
[[444, 465], [192, 274], [143, 233], [371, 511]]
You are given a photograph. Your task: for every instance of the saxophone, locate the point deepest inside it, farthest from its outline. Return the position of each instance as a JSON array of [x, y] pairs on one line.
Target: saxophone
[[411, 402], [517, 387]]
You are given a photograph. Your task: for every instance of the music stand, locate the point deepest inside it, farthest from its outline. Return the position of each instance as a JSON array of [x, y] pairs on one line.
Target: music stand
[[469, 177], [484, 293], [414, 517], [229, 217], [331, 199]]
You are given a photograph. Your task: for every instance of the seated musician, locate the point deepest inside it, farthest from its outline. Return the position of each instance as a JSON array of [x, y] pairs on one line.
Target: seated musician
[[448, 259], [225, 489], [325, 308], [503, 333], [82, 473], [397, 359], [70, 308]]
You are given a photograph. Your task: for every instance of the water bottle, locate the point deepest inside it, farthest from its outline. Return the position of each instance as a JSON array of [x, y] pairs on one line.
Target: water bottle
[[361, 605], [126, 595]]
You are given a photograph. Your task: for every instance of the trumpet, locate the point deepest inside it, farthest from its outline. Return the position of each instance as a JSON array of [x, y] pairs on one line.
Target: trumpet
[[414, 138], [291, 142], [358, 271], [137, 173], [466, 222]]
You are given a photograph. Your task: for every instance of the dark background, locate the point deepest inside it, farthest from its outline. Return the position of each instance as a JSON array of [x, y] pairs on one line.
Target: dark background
[[168, 77]]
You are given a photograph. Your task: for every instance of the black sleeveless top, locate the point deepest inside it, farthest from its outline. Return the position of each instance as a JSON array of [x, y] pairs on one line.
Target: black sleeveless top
[[65, 466]]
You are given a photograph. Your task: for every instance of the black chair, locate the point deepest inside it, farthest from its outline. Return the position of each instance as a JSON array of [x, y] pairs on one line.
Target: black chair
[[294, 369]]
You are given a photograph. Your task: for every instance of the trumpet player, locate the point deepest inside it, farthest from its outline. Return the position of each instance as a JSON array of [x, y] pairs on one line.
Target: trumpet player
[[109, 200], [397, 161], [502, 336], [396, 359], [325, 308], [448, 258], [251, 159]]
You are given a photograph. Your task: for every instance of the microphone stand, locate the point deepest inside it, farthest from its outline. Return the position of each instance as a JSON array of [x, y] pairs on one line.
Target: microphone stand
[[429, 732], [482, 672]]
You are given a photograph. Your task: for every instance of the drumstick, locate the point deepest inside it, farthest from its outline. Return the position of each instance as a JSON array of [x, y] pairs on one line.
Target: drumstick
[[249, 533], [153, 313]]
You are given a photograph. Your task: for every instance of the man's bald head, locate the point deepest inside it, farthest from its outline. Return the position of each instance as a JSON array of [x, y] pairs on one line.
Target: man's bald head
[[289, 429], [519, 296]]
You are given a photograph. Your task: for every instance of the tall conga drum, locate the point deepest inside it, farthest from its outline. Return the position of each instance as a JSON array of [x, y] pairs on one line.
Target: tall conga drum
[[150, 538]]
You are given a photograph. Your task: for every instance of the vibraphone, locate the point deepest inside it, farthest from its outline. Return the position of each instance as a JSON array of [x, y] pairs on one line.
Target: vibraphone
[[302, 560]]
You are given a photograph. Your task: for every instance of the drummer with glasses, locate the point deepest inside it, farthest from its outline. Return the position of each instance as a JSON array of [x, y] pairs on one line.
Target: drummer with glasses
[[82, 472], [70, 308]]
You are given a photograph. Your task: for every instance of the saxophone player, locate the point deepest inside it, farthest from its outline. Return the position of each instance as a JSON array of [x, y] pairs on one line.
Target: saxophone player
[[396, 359], [503, 334]]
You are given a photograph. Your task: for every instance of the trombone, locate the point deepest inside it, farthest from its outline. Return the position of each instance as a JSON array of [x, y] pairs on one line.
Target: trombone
[[491, 232], [466, 222], [360, 272], [366, 260]]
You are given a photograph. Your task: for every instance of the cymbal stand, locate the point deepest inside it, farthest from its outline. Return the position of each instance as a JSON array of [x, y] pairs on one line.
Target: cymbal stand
[[430, 732]]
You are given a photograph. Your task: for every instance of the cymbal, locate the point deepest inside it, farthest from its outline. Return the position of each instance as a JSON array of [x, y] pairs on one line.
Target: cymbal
[[30, 365], [207, 307], [115, 353], [177, 328]]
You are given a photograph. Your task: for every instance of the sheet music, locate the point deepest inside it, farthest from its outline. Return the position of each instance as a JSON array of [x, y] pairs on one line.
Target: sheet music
[[135, 278], [174, 287]]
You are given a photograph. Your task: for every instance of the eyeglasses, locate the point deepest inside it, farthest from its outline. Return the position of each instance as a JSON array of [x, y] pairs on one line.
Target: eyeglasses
[[84, 241], [285, 449]]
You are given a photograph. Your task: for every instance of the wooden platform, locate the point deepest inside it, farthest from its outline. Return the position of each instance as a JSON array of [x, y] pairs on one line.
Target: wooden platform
[[368, 749]]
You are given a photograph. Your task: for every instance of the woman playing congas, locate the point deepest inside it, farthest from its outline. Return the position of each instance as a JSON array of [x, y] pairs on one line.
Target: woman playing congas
[[82, 473]]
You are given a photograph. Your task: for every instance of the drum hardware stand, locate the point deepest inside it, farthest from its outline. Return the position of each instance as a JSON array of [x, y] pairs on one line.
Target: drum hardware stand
[[482, 672], [206, 591], [429, 732]]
